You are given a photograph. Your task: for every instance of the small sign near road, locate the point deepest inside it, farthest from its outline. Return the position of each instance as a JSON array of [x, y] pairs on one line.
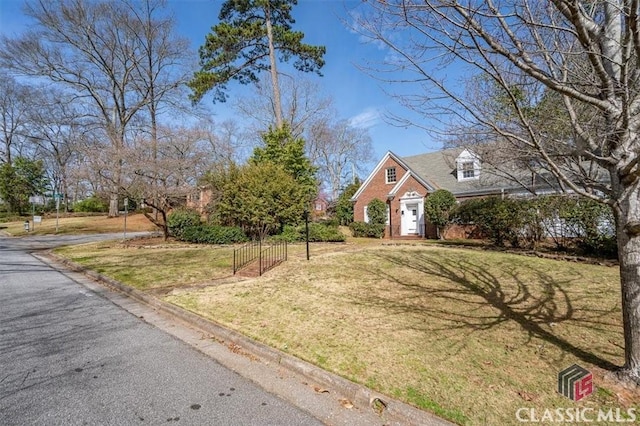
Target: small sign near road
[[37, 219]]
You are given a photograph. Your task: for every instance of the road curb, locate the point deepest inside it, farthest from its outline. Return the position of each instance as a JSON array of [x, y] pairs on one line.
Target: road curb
[[387, 408]]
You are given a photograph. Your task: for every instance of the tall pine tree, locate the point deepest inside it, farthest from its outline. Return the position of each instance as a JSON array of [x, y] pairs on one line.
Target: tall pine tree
[[245, 43]]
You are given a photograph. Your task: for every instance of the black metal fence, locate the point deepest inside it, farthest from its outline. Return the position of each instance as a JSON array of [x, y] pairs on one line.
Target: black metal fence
[[267, 256], [245, 255]]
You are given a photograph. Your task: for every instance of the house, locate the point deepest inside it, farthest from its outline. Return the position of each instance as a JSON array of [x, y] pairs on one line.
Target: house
[[199, 199], [404, 182], [319, 207]]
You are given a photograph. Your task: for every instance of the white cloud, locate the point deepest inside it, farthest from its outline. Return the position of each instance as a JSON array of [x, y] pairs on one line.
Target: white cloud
[[366, 119]]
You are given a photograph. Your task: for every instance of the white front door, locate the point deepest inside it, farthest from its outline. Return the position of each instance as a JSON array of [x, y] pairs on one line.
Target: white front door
[[411, 217]]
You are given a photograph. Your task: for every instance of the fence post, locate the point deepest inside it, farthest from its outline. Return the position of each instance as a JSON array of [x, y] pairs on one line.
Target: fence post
[[260, 257]]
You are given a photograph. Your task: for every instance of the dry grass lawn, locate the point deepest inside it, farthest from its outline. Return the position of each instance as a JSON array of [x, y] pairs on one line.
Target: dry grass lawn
[[470, 335], [80, 225]]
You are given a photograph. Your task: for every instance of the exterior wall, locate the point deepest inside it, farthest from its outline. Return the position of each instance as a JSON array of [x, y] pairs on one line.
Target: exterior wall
[[319, 208], [199, 200], [379, 188]]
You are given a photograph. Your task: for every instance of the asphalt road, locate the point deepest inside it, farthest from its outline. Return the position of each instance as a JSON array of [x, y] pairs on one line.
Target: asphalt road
[[69, 356]]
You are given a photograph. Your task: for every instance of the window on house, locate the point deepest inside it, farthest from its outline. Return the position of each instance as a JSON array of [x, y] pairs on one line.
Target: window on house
[[391, 175], [468, 170], [318, 207]]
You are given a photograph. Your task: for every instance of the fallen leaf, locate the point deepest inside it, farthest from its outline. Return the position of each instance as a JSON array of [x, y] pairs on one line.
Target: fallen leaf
[[346, 403], [526, 395], [320, 390]]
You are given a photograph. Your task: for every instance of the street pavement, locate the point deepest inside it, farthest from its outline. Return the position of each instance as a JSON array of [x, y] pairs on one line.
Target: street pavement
[[69, 356]]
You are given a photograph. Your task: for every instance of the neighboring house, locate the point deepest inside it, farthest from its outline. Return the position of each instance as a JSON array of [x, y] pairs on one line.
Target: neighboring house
[[404, 182], [199, 199], [319, 207]]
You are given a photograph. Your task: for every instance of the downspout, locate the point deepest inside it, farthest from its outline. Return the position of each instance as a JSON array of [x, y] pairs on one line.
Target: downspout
[[389, 199]]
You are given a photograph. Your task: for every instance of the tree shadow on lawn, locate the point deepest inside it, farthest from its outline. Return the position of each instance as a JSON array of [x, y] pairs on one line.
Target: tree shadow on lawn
[[525, 294]]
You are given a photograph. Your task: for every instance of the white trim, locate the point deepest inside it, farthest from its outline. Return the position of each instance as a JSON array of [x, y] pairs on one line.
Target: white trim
[[408, 172], [405, 178], [412, 199], [371, 175], [387, 210], [467, 157], [386, 175]]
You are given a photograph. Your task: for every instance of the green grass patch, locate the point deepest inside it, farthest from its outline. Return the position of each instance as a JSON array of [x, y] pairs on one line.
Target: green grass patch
[[148, 268]]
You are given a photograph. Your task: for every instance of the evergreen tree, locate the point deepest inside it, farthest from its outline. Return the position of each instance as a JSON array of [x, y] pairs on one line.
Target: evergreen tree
[[282, 149], [344, 205], [245, 43], [21, 180]]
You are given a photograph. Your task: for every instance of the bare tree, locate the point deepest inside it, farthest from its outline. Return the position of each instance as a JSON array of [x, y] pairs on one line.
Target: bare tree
[[302, 104], [583, 54], [166, 170], [14, 112], [338, 150], [55, 127], [161, 74], [334, 146], [113, 55]]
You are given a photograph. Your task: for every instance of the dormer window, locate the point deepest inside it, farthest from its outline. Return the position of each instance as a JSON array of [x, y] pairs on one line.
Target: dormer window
[[468, 166], [391, 175], [468, 171]]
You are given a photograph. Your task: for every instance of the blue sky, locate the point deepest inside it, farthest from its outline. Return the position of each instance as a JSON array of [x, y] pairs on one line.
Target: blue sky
[[357, 96]]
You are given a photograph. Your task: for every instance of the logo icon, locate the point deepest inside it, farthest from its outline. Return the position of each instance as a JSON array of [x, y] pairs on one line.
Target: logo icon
[[575, 382]]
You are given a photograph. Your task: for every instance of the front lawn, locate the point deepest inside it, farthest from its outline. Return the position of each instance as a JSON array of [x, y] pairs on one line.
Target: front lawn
[[470, 335]]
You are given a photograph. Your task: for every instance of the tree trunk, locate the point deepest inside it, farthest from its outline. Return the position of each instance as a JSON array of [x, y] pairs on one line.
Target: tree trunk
[[627, 214], [274, 72], [113, 204]]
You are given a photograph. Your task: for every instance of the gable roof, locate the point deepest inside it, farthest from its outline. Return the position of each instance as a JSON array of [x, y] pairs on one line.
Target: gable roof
[[441, 167], [438, 170], [426, 183]]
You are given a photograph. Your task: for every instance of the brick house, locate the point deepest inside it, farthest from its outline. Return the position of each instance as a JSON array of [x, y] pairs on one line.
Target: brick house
[[404, 182]]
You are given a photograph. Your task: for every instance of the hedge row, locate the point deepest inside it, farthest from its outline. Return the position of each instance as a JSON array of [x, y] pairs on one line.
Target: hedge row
[[210, 234], [367, 230], [318, 232], [567, 221], [186, 225]]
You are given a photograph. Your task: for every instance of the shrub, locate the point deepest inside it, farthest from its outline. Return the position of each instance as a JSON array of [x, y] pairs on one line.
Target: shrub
[[344, 206], [179, 220], [501, 220], [592, 223], [91, 205], [367, 230], [211, 234], [318, 233], [377, 212], [438, 207]]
